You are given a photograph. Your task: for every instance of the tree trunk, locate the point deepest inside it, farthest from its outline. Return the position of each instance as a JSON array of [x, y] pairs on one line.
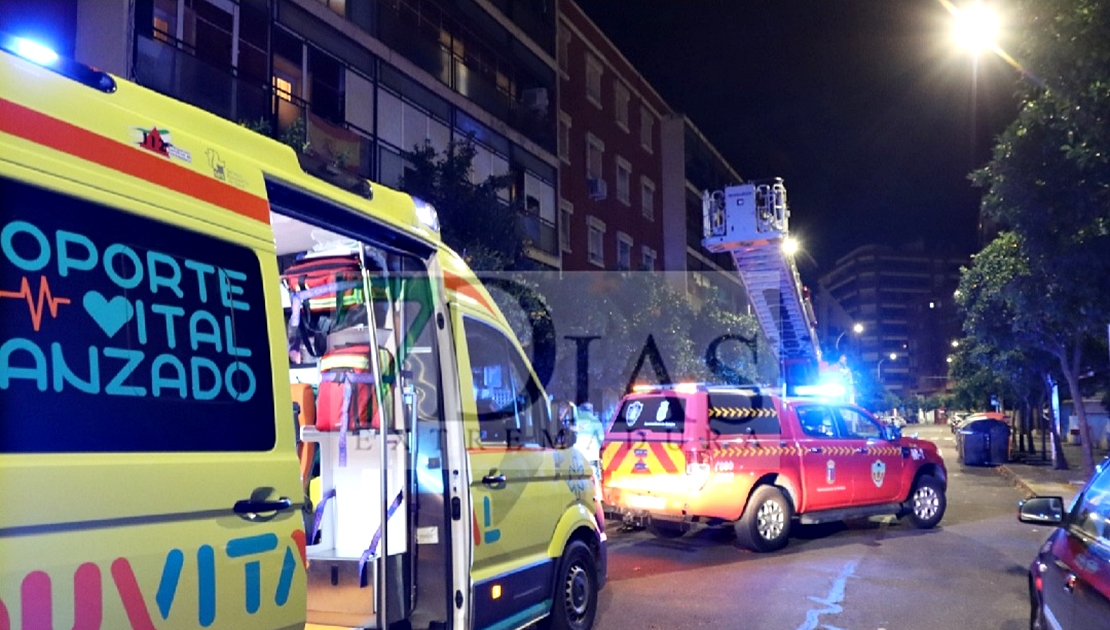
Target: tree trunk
[[1071, 375]]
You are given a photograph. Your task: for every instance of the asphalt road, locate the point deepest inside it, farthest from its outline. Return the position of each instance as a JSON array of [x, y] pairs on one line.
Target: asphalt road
[[969, 573]]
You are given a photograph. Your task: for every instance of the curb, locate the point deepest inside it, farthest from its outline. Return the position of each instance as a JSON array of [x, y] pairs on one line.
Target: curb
[[1016, 479]]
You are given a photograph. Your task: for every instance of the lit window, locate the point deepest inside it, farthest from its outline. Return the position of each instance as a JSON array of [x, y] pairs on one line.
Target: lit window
[[283, 88], [161, 29]]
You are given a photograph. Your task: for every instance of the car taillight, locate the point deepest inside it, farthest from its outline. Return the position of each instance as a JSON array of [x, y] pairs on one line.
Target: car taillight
[[697, 468]]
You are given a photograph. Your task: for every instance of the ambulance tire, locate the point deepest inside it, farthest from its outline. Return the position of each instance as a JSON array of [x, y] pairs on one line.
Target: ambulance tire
[[575, 596], [927, 502], [765, 525], [663, 529]]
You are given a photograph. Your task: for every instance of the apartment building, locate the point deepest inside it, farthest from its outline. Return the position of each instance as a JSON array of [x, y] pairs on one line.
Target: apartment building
[[610, 152], [352, 83], [904, 299]]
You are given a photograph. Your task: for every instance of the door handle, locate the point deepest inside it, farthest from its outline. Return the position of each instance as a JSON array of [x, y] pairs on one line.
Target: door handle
[[253, 510], [494, 481], [862, 449], [816, 449]]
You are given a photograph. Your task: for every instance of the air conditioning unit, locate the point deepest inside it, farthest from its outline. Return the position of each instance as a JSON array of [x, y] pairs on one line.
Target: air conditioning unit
[[535, 98], [597, 187]]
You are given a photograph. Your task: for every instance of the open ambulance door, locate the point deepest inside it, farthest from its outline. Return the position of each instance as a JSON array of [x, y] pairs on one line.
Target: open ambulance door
[[363, 332]]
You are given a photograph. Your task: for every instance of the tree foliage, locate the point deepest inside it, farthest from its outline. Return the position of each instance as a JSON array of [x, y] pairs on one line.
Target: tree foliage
[[473, 220], [1040, 287]]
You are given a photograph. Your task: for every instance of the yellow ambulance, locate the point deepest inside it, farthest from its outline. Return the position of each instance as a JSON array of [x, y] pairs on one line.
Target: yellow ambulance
[[185, 316]]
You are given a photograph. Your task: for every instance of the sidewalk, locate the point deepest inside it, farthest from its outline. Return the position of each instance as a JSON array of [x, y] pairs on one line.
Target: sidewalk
[[1035, 475]]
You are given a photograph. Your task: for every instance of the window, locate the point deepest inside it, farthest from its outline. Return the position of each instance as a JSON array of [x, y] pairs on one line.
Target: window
[[647, 261], [624, 251], [647, 198], [620, 104], [595, 153], [764, 422], [182, 360], [647, 129], [1092, 511], [818, 421], [596, 241], [857, 425], [511, 408], [564, 137], [566, 209], [624, 174], [656, 414], [593, 80]]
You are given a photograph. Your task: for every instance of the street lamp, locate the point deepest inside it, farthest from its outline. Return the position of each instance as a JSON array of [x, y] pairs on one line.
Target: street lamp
[[879, 369], [857, 328]]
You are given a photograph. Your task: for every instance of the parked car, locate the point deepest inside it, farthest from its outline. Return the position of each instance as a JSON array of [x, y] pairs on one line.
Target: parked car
[[1069, 580]]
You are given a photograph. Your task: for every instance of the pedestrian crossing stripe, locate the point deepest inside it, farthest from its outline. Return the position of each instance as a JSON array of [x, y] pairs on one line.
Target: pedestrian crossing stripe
[[741, 412]]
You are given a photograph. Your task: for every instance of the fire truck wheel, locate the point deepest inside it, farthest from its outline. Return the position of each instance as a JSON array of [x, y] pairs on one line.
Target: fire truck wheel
[[926, 503], [765, 525], [663, 529], [575, 591]]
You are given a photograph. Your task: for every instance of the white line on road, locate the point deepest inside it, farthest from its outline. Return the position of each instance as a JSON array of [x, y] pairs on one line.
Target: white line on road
[[831, 601]]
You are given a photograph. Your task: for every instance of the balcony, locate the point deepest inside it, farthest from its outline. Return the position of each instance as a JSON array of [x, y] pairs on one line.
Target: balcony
[[163, 67]]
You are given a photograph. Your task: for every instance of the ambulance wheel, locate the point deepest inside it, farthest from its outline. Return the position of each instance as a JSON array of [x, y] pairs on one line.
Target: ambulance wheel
[[765, 525], [927, 503], [664, 529], [575, 591]]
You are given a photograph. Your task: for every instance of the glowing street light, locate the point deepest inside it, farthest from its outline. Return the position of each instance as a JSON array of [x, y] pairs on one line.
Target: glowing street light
[[879, 368], [857, 328], [976, 28]]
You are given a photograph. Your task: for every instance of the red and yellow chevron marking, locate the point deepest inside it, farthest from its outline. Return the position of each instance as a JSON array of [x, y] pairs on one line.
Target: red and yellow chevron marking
[[642, 458], [761, 451], [740, 412]]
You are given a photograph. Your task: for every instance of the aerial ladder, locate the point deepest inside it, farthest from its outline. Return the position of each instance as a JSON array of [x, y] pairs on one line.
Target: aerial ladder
[[750, 222]]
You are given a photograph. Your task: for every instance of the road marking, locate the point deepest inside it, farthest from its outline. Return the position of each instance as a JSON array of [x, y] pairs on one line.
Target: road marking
[[831, 601]]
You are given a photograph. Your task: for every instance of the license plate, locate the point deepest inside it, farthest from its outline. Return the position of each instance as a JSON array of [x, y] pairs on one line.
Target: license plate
[[641, 502]]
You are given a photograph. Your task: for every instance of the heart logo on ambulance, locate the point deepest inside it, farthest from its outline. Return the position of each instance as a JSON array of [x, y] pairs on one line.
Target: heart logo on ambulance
[[878, 471], [111, 314]]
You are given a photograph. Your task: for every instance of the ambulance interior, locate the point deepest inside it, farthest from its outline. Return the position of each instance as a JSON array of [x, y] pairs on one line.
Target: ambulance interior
[[343, 297]]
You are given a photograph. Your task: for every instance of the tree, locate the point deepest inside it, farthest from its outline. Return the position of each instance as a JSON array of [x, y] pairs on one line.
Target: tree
[[473, 220], [1010, 327], [1049, 183]]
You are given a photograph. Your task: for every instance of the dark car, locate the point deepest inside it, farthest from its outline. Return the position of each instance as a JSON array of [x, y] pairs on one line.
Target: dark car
[[1069, 581]]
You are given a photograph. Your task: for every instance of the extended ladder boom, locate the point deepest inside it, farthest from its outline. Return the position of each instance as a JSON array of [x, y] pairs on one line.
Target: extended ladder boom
[[750, 222]]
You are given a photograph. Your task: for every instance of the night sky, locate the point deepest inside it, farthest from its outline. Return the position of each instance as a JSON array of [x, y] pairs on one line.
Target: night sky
[[864, 107]]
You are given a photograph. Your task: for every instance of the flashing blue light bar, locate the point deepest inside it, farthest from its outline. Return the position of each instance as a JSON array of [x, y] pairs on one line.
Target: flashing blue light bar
[[426, 214], [40, 55], [34, 52], [824, 390]]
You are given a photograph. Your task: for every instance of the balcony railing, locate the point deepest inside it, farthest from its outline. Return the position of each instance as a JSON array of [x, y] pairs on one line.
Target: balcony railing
[[165, 68], [543, 234]]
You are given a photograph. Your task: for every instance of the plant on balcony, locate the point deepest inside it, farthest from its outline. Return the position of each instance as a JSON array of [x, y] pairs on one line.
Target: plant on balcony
[[473, 220]]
